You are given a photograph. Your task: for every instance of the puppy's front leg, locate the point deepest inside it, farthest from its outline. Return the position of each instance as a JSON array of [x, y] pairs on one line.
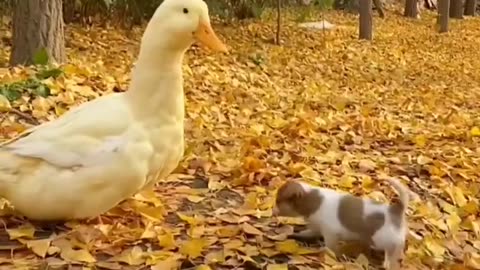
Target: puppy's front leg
[[331, 242], [313, 232], [393, 257], [306, 234]]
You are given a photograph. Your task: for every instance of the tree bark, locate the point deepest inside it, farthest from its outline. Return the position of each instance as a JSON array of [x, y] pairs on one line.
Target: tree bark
[[411, 9], [456, 9], [279, 21], [470, 7], [37, 25], [366, 24], [443, 14]]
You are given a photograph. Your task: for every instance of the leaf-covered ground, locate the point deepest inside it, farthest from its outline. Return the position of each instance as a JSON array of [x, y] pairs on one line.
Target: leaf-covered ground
[[338, 112]]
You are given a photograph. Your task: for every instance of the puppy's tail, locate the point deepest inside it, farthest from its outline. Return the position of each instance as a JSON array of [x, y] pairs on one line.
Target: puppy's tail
[[402, 190]]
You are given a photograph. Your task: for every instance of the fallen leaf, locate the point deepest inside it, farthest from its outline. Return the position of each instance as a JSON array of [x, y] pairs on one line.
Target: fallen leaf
[[249, 229], [39, 247], [190, 220], [26, 231], [166, 240], [193, 248], [475, 132], [277, 267], [4, 104], [228, 231], [288, 246], [168, 264], [203, 267], [80, 255], [366, 165], [130, 256], [195, 199]]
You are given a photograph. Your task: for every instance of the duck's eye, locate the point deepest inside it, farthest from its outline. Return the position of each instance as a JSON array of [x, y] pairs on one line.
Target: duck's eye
[[185, 10]]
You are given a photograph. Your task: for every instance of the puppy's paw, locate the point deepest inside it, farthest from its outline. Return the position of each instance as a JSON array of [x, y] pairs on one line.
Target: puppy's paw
[[306, 236]]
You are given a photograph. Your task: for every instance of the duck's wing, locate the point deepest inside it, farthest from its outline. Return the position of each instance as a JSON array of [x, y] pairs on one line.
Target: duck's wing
[[66, 141], [80, 150], [104, 116], [70, 152]]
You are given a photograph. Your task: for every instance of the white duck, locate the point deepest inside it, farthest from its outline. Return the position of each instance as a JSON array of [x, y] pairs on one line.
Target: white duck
[[98, 154]]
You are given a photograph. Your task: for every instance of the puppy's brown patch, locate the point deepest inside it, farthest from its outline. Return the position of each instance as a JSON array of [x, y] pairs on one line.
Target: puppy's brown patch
[[396, 212], [305, 203], [351, 214]]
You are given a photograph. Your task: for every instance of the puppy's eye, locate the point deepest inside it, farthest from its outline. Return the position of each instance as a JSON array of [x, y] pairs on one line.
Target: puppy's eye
[[185, 10]]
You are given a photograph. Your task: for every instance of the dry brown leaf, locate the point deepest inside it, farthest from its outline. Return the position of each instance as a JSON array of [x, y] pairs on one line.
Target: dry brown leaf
[[249, 229]]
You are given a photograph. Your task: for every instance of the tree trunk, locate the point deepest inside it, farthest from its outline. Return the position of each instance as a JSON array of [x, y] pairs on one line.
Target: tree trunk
[[366, 24], [279, 22], [470, 7], [456, 9], [443, 13], [68, 11], [411, 9], [37, 25]]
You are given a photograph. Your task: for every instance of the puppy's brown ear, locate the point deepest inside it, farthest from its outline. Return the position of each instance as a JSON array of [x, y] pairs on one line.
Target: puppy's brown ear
[[290, 190]]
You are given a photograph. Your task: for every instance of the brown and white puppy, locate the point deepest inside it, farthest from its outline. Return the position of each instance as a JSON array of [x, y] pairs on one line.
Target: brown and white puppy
[[341, 216]]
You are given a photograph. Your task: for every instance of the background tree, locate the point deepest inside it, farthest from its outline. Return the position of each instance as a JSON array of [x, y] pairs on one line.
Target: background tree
[[379, 6], [366, 24], [354, 6], [443, 14], [37, 25], [470, 7], [456, 9], [411, 9], [279, 21]]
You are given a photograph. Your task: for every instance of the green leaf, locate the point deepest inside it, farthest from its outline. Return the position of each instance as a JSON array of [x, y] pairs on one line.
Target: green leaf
[[28, 84], [42, 90], [324, 4], [47, 73], [10, 93], [41, 57]]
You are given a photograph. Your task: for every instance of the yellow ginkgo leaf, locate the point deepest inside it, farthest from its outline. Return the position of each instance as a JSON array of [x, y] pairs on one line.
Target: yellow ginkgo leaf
[[39, 247], [203, 267], [166, 240], [130, 256], [288, 246], [190, 220], [193, 248], [475, 132], [277, 266], [195, 198], [80, 255], [24, 231]]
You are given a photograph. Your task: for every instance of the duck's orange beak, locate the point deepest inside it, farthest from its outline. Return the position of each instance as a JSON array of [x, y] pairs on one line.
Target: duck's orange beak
[[207, 37]]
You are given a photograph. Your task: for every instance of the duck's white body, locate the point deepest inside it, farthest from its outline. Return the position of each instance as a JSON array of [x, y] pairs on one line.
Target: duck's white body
[[82, 184], [100, 153]]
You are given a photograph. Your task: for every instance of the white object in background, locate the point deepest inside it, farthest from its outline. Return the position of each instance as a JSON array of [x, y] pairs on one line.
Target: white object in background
[[318, 25]]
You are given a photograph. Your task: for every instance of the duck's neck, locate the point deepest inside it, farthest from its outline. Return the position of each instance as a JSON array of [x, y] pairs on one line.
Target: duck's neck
[[156, 89]]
